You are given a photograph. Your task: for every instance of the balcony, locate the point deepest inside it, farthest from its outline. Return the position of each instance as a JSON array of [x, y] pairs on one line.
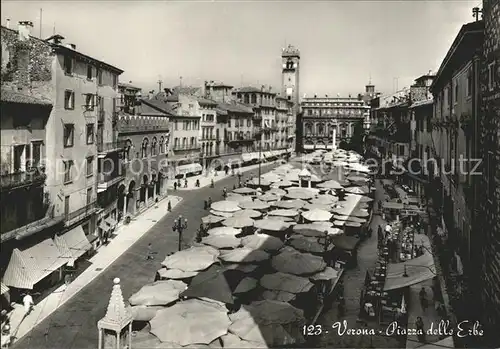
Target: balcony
[[241, 140], [81, 213], [105, 181], [186, 147], [208, 138], [22, 179], [104, 148]]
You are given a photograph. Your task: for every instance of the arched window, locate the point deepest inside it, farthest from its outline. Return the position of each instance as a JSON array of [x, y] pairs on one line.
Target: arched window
[[153, 146], [128, 150], [308, 129], [321, 129], [144, 148], [289, 64], [162, 145], [248, 135]]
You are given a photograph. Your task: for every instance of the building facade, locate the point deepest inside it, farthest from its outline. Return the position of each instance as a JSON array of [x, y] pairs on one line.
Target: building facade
[[324, 117], [487, 228], [78, 130], [144, 136]]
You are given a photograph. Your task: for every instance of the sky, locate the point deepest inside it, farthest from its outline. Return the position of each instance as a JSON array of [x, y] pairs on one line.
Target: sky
[[342, 43]]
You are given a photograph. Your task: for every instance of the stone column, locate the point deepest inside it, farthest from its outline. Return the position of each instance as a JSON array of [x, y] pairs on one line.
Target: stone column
[[146, 195], [125, 202], [154, 191], [309, 184], [334, 139]]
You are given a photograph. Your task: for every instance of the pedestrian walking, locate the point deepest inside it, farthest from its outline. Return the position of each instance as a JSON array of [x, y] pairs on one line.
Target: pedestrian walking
[[185, 183], [197, 183], [175, 185], [28, 304], [150, 256], [67, 279], [205, 204], [423, 298], [209, 201], [6, 336], [419, 325], [212, 184], [224, 193]]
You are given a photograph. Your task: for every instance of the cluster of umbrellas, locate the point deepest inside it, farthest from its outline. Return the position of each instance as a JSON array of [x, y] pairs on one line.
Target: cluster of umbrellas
[[241, 286]]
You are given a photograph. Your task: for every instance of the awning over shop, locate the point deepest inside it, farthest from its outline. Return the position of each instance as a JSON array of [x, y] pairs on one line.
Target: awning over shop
[[73, 244], [4, 288], [111, 222], [29, 265], [417, 270], [188, 168]]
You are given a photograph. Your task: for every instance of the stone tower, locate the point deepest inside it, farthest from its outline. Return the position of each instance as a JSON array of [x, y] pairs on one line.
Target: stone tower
[[290, 58]]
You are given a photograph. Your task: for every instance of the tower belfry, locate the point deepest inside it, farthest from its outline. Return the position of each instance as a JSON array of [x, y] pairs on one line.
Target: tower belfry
[[290, 58]]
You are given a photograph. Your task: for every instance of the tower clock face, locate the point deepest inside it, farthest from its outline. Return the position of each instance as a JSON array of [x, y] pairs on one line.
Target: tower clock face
[[289, 91]]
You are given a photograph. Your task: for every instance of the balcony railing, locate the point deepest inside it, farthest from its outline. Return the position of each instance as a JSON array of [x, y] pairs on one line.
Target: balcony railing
[[135, 128], [81, 213], [103, 147], [104, 180], [208, 138], [241, 139], [186, 147], [22, 179]]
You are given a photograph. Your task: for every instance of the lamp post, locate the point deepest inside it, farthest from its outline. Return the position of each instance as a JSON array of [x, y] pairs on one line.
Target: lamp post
[[179, 226]]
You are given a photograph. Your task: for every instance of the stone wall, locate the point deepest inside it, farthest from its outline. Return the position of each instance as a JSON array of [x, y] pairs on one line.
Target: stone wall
[[489, 205]]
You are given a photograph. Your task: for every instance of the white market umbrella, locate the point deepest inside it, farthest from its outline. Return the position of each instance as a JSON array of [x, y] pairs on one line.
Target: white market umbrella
[[243, 255], [355, 190], [285, 282], [225, 206], [176, 274], [300, 193], [254, 205], [325, 199], [281, 296], [238, 198], [310, 207], [290, 204], [276, 191], [317, 215], [192, 259], [247, 213], [262, 242], [221, 214], [271, 224], [284, 213], [221, 241], [224, 231], [211, 219], [331, 184], [282, 184], [244, 191], [327, 274], [269, 197], [238, 222], [297, 263], [158, 293], [245, 285], [186, 322], [360, 213]]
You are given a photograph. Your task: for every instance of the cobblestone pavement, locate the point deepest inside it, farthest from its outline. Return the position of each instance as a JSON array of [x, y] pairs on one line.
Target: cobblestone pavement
[[353, 282]]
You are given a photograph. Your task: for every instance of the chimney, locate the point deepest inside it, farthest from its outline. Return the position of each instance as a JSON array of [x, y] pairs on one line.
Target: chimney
[[7, 24], [71, 46], [24, 30], [151, 94], [23, 55], [262, 88]]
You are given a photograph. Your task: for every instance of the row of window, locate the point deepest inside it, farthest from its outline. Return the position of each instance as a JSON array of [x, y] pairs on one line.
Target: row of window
[[193, 143], [69, 134], [309, 104], [333, 111], [92, 72], [208, 117], [91, 101], [89, 194], [187, 125], [239, 122]]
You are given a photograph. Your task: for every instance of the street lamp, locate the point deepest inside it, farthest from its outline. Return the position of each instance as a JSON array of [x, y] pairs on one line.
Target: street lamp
[[179, 226]]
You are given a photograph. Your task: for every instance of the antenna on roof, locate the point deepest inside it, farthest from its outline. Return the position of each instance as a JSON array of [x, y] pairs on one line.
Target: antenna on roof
[[40, 23], [370, 79], [54, 29], [180, 81]]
